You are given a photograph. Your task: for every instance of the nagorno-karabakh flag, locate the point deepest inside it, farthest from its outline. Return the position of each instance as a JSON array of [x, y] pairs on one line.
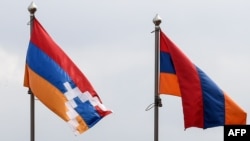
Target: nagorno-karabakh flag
[[204, 104], [57, 82]]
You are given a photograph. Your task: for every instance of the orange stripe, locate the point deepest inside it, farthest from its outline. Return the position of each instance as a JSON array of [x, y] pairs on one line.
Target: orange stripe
[[234, 114], [169, 84], [51, 97], [26, 77], [48, 94], [82, 125]]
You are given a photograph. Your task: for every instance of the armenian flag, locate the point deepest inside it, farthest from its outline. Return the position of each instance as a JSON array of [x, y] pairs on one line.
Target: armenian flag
[[204, 104]]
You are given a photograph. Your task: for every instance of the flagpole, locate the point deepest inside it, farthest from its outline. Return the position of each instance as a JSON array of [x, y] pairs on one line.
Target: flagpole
[[157, 100], [32, 9]]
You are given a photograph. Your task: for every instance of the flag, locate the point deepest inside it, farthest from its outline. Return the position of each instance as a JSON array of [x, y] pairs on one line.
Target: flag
[[58, 83], [204, 104]]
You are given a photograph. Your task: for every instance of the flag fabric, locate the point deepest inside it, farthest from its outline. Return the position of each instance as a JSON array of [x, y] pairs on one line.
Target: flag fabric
[[204, 104], [58, 83]]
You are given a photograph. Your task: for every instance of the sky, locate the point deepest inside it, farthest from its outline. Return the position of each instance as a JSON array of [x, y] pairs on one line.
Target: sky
[[112, 44]]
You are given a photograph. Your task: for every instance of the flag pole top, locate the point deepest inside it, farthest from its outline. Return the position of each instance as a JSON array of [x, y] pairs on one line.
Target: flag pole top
[[32, 8], [157, 20]]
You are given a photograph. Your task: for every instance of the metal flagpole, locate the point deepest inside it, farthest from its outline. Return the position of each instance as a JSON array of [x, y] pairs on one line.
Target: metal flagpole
[[32, 9], [157, 100]]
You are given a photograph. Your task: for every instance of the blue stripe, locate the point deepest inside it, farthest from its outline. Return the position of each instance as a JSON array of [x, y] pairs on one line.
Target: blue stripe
[[166, 63], [47, 68], [214, 102], [87, 112]]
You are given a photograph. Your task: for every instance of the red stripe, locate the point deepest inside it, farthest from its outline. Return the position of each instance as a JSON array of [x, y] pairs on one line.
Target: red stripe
[[189, 82], [42, 39]]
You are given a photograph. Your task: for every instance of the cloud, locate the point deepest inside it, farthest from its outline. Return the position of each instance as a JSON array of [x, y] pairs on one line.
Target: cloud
[[11, 68]]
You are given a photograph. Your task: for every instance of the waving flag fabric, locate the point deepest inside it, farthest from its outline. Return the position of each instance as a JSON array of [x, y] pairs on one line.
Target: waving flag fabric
[[57, 82], [204, 104]]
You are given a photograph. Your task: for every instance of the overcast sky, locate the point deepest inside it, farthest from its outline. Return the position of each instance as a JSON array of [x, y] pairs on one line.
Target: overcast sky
[[111, 42]]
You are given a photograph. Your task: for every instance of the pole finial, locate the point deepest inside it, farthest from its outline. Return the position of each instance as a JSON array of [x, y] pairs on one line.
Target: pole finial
[[32, 8], [157, 20]]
